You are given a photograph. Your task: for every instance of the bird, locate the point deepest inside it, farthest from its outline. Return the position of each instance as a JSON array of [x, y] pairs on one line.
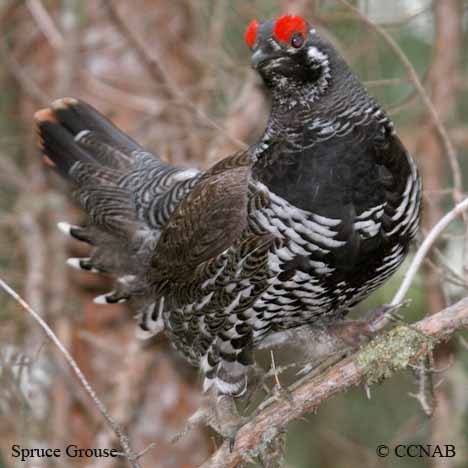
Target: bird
[[293, 231]]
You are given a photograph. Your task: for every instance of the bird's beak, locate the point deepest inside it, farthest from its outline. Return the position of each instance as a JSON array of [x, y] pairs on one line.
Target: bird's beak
[[258, 57]]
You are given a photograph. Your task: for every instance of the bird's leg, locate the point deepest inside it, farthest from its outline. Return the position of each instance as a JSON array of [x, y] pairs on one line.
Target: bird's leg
[[219, 412], [227, 419], [257, 383], [325, 345]]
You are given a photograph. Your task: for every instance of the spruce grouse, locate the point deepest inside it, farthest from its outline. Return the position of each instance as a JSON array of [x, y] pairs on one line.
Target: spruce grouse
[[295, 230]]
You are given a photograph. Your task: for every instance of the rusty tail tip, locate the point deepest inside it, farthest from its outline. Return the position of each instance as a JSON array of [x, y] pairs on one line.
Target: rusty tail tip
[[43, 115], [46, 160], [63, 103], [46, 114]]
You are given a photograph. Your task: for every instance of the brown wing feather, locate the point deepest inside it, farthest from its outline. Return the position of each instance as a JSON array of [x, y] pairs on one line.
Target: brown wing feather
[[207, 221]]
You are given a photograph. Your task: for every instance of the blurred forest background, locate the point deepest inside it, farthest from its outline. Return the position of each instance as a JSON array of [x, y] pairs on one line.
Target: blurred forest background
[[175, 74]]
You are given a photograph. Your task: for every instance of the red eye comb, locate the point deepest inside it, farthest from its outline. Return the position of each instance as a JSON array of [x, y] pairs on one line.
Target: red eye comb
[[287, 25], [250, 35]]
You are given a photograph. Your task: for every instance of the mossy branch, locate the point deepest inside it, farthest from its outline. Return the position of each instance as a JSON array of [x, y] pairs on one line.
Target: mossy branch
[[380, 359]]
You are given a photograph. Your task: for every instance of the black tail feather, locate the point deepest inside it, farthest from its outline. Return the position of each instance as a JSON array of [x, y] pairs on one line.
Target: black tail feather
[[77, 116], [61, 128], [58, 145]]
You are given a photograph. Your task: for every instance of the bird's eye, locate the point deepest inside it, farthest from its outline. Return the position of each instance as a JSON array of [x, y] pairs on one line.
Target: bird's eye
[[297, 40]]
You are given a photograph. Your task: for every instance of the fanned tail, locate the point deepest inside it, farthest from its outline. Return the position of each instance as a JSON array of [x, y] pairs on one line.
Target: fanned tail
[[128, 194]]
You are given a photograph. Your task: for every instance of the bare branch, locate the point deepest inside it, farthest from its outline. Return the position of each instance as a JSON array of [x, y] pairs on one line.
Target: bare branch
[[45, 23], [10, 176], [425, 247], [380, 359], [128, 383], [123, 438], [159, 75], [24, 80], [33, 241]]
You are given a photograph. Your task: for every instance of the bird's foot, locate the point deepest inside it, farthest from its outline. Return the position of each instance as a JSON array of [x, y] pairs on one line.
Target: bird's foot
[[377, 319], [227, 420], [218, 412], [357, 332], [353, 333]]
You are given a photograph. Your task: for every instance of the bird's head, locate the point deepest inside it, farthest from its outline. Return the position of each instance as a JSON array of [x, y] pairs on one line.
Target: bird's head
[[288, 52]]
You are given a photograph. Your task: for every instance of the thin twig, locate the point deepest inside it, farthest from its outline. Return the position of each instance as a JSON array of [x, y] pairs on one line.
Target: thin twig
[[10, 176], [111, 93], [424, 378], [45, 23], [159, 74], [441, 130], [386, 82], [24, 80], [17, 71], [424, 249], [123, 438], [32, 239], [151, 64], [128, 384]]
